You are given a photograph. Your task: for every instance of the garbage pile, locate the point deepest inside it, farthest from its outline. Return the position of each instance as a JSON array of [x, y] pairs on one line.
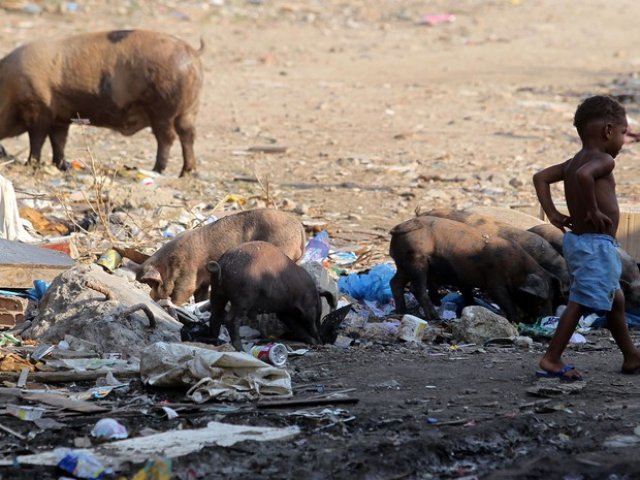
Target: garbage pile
[[95, 334]]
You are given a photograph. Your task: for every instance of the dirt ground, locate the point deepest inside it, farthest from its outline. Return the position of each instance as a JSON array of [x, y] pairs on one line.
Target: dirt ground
[[380, 114]]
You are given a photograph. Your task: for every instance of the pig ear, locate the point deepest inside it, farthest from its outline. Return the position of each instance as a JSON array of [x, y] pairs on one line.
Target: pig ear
[[150, 276], [329, 296], [536, 286]]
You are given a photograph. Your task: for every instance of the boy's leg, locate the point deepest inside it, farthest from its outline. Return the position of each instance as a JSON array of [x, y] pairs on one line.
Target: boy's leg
[[551, 361], [618, 327]]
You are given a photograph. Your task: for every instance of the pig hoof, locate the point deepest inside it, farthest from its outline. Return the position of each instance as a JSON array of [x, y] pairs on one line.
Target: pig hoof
[[189, 174]]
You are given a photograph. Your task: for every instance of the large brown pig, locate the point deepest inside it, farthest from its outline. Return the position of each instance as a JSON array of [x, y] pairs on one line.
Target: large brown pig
[[125, 80], [431, 252], [629, 278], [179, 268], [541, 251], [256, 277]]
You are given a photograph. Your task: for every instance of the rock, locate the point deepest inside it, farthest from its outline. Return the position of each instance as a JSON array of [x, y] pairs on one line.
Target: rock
[[71, 307], [477, 325]]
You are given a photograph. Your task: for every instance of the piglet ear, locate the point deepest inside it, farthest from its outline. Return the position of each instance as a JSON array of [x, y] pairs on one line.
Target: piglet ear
[[150, 275], [536, 286], [331, 299]]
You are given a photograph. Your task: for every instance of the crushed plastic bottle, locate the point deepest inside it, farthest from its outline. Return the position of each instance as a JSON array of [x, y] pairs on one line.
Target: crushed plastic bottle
[[317, 248]]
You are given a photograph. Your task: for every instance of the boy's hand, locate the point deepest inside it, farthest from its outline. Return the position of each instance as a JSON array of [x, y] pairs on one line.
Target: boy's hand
[[599, 220], [560, 221]]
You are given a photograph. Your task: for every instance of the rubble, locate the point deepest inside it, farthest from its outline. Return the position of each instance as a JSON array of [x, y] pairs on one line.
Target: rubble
[[479, 325], [70, 305]]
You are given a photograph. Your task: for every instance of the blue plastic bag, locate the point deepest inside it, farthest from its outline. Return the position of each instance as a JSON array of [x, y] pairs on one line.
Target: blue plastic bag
[[373, 285]]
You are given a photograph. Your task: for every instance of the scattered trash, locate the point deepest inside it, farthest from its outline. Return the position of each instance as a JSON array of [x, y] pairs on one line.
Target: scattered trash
[[28, 414], [371, 285], [274, 353], [211, 374], [546, 326], [411, 328], [157, 469], [109, 429], [110, 260], [175, 443], [79, 463], [622, 441], [11, 225], [317, 248], [437, 18]]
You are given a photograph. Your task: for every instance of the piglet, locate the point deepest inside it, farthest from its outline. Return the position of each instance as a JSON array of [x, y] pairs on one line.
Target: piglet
[[432, 252], [256, 277], [124, 80], [179, 268]]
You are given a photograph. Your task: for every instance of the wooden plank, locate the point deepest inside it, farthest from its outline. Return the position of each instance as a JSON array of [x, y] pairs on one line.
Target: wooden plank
[[21, 264]]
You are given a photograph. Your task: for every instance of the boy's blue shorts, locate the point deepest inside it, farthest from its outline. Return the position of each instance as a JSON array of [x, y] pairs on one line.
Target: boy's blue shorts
[[595, 267]]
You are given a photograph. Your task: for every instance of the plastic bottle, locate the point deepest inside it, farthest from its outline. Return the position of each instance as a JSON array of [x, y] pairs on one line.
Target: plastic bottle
[[317, 248]]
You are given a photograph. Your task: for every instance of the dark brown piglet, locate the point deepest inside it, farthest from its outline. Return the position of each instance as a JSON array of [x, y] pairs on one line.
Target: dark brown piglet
[[123, 80], [179, 268], [432, 252], [539, 249], [256, 277]]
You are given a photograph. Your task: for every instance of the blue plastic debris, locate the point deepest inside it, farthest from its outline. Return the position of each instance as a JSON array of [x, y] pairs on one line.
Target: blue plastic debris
[[372, 285]]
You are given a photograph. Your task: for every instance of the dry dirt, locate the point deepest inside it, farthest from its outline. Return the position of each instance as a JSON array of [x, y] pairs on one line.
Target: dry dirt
[[380, 114]]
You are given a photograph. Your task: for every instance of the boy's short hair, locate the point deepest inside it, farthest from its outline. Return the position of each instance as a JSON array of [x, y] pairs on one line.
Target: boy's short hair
[[598, 107]]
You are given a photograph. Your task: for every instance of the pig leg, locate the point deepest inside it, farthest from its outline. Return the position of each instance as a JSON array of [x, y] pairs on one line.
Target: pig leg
[[501, 296], [58, 138], [218, 304], [232, 320], [165, 135], [187, 133], [397, 284], [37, 136], [419, 289]]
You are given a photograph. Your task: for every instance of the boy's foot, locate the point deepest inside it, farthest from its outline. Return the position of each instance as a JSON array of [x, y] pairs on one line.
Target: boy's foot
[[559, 370], [631, 364], [568, 373]]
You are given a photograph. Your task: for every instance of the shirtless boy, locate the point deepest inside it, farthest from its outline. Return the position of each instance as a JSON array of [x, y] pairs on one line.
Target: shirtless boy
[[590, 247]]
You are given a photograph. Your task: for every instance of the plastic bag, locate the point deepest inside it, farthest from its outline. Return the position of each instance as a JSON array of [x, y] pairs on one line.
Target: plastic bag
[[373, 285], [317, 248]]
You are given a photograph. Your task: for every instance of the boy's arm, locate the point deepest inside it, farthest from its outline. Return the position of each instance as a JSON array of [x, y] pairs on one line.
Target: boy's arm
[[587, 176], [542, 182]]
